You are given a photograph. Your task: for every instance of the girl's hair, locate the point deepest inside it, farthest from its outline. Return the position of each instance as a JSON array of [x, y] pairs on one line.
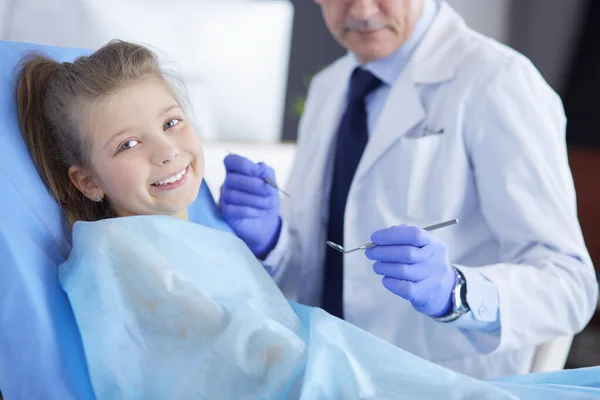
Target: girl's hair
[[53, 100]]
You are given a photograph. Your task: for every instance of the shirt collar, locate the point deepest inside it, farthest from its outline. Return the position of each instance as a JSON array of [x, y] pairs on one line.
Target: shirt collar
[[389, 68]]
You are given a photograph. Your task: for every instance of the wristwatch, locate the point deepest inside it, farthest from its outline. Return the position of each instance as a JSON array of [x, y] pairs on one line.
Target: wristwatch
[[459, 299]]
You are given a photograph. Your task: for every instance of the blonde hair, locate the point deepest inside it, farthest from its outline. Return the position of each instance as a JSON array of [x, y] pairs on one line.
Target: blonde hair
[[52, 98]]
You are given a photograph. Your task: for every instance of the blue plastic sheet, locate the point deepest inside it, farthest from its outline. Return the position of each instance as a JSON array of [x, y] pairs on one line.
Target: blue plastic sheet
[[171, 309]]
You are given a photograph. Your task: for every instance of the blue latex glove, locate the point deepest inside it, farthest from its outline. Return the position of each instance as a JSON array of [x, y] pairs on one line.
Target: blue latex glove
[[249, 205], [415, 266]]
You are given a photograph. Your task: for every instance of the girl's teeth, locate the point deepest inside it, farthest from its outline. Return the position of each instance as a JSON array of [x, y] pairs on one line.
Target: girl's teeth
[[172, 179]]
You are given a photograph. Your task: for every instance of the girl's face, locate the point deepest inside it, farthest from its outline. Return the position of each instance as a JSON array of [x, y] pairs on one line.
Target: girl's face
[[145, 156]]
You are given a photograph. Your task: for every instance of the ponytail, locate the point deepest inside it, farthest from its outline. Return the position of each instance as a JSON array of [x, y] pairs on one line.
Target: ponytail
[[32, 82], [53, 148]]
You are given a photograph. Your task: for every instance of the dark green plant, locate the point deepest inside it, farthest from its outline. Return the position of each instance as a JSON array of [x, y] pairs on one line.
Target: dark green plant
[[297, 106]]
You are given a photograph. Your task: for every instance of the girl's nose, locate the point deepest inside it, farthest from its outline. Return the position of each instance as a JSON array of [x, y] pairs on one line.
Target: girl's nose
[[165, 152]]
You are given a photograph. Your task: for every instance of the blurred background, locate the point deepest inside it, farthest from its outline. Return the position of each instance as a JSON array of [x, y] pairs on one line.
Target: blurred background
[[247, 65]]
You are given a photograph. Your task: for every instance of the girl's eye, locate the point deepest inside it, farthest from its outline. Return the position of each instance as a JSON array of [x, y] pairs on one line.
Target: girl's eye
[[171, 123], [129, 144]]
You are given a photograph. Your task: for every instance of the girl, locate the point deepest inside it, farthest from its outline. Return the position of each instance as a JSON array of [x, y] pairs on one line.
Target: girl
[[170, 309], [108, 134]]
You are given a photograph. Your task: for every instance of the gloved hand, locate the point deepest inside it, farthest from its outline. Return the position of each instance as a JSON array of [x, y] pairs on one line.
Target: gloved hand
[[249, 205], [415, 266]]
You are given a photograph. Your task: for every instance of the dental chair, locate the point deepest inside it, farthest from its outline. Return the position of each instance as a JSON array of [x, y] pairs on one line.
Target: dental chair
[[41, 354]]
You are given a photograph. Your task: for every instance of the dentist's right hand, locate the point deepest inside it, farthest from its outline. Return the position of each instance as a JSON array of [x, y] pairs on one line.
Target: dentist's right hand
[[249, 205]]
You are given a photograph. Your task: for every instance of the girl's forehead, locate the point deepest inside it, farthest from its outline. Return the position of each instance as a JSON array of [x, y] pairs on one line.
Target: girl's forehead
[[136, 103]]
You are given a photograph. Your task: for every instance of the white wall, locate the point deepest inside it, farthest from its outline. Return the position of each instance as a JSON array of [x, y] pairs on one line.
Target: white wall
[[232, 55]]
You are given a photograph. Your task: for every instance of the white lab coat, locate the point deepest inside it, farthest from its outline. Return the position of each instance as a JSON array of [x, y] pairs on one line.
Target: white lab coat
[[500, 167]]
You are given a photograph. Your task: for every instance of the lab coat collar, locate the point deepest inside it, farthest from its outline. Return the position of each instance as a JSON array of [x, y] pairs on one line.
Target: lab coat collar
[[433, 61], [436, 58], [402, 111]]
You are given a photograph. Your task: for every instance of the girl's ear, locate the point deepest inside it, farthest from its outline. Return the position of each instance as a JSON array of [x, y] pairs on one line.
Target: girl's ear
[[82, 179]]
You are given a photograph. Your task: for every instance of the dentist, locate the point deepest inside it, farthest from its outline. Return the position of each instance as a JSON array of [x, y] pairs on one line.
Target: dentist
[[425, 120]]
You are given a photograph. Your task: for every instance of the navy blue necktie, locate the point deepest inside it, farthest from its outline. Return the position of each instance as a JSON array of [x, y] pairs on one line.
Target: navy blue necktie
[[352, 137]]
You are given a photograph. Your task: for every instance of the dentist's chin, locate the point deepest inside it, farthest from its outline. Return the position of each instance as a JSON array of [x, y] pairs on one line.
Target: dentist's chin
[[366, 35]]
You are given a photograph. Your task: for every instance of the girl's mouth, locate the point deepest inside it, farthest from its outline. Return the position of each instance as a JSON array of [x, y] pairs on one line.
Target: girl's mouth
[[177, 179]]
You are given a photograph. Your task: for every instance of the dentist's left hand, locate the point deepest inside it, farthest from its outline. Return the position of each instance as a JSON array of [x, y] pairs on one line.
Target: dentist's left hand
[[249, 205], [415, 266]]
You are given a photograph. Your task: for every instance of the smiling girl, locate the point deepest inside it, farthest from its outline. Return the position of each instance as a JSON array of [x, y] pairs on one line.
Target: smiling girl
[[108, 134]]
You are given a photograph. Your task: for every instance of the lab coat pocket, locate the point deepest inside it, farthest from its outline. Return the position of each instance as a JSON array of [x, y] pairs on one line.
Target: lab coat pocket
[[422, 167]]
